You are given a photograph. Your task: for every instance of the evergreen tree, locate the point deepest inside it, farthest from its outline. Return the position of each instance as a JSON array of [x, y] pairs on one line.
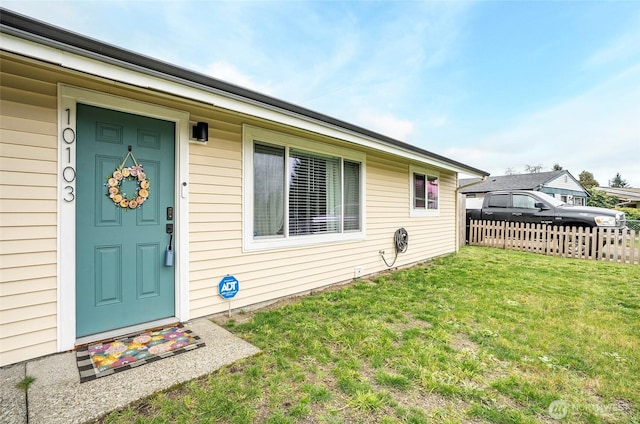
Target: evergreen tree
[[618, 182]]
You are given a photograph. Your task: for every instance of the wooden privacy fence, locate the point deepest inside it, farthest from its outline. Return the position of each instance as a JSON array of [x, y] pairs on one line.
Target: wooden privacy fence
[[584, 243]]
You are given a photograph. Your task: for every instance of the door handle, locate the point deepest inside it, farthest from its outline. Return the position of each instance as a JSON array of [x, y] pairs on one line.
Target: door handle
[[517, 214], [169, 228]]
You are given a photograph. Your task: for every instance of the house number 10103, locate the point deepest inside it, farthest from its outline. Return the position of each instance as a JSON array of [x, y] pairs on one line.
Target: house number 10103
[[68, 172]]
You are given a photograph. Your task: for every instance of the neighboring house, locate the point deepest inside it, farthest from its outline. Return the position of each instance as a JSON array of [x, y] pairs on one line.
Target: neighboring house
[[627, 197], [248, 185], [560, 184]]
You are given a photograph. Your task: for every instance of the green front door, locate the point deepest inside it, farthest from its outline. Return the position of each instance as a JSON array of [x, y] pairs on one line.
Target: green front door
[[121, 279]]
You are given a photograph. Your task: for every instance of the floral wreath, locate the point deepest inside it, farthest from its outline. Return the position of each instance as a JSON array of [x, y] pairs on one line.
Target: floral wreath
[[131, 173]]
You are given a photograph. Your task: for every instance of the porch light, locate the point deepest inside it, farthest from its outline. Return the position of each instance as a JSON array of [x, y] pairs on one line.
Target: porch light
[[200, 132]]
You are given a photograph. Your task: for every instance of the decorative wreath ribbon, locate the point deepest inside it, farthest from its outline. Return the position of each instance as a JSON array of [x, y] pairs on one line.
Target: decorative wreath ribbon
[[131, 173]]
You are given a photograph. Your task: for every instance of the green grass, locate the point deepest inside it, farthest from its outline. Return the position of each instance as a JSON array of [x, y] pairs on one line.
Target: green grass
[[486, 335]]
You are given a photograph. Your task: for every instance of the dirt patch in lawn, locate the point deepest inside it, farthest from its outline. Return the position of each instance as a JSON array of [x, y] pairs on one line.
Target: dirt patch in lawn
[[462, 342]]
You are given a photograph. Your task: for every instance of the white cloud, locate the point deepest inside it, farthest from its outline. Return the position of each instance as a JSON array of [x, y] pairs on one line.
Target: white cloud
[[436, 120], [229, 73], [598, 131], [387, 124], [381, 74], [623, 48]]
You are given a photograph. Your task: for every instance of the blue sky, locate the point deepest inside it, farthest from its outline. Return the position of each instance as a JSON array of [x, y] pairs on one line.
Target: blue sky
[[494, 84]]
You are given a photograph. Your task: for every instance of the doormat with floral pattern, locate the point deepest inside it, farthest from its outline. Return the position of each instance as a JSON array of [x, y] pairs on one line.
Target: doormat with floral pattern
[[106, 358]]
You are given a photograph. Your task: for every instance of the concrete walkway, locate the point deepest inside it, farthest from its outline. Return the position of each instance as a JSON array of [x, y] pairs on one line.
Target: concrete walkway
[[56, 395]]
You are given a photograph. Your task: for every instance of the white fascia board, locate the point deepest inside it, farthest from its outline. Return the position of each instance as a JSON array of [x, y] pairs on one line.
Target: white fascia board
[[190, 90]]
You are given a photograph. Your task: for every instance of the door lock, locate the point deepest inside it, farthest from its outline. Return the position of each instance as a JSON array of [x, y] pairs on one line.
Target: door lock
[[169, 213], [169, 228]]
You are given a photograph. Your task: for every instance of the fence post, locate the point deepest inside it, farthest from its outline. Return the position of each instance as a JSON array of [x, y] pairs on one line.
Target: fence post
[[471, 225], [580, 243], [521, 236], [607, 242], [482, 231], [539, 241], [571, 245], [632, 246], [613, 250], [573, 235], [532, 245], [487, 234], [488, 229], [472, 232], [600, 245], [462, 220], [621, 240]]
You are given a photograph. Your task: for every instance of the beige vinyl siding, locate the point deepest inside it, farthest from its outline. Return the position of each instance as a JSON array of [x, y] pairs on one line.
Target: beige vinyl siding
[[215, 204], [216, 229], [389, 204], [28, 195], [28, 178]]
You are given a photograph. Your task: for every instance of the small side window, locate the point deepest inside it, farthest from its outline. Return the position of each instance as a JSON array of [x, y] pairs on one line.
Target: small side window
[[425, 192]]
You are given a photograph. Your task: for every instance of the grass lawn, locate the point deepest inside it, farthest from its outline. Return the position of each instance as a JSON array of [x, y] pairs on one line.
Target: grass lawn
[[483, 336]]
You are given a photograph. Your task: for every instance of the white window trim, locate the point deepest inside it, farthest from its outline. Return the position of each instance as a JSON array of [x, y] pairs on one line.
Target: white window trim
[[420, 212], [249, 135]]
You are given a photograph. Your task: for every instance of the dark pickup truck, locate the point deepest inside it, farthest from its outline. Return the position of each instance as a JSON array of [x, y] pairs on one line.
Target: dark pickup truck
[[539, 208]]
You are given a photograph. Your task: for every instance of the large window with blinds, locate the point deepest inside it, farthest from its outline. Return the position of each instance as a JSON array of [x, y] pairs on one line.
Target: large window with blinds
[[300, 191]]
